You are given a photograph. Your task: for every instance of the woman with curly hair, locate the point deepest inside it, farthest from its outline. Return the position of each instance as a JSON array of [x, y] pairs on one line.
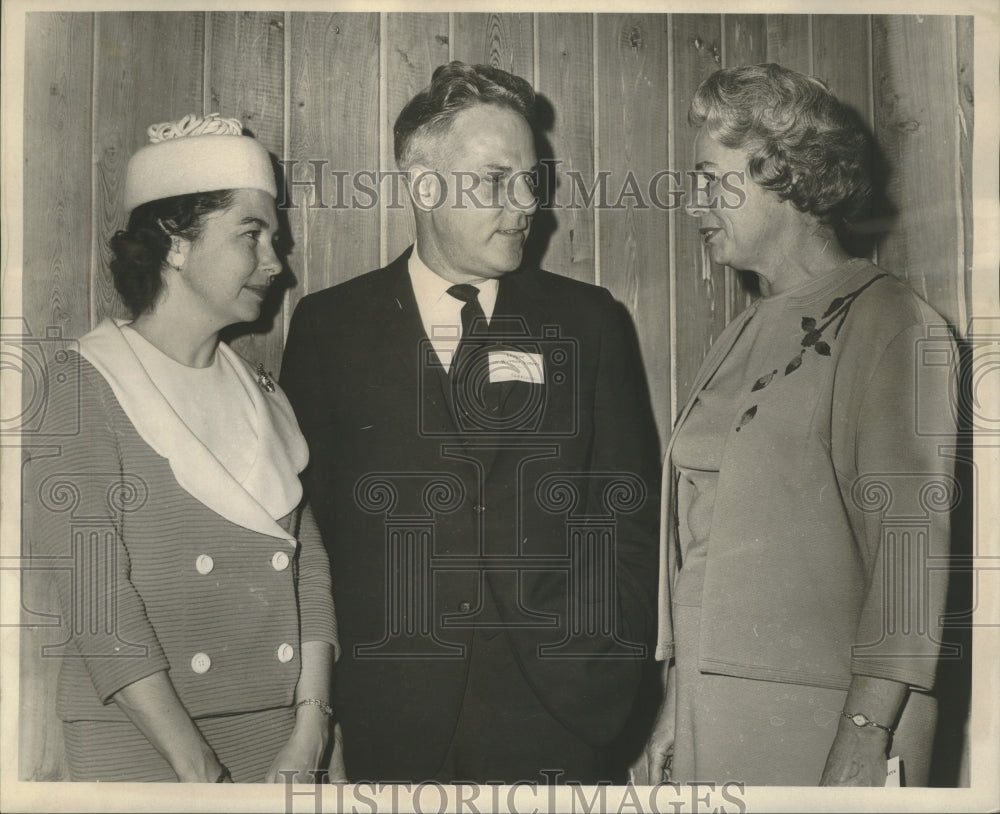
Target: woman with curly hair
[[799, 620]]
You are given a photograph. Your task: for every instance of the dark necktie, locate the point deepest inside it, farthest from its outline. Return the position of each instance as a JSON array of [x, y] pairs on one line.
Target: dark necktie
[[472, 316]]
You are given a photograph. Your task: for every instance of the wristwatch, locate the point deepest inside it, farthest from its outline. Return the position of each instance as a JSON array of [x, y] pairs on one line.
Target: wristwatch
[[860, 720]]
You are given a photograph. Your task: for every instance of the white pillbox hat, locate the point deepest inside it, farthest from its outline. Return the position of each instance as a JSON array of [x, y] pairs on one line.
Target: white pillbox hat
[[196, 154]]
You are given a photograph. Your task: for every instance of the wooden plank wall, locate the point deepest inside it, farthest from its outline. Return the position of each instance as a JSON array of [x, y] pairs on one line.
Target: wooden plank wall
[[326, 87]]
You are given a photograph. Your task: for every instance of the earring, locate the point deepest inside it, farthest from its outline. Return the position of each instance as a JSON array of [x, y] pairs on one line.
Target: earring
[[175, 259]]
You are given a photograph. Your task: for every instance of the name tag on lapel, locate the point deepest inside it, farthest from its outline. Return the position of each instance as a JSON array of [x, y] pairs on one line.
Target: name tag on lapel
[[516, 366]]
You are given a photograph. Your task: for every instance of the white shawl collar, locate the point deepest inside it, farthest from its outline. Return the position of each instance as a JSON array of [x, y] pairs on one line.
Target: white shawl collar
[[281, 449]]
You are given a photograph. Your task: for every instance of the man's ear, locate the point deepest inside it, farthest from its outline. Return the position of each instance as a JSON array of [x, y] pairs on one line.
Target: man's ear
[[427, 187]]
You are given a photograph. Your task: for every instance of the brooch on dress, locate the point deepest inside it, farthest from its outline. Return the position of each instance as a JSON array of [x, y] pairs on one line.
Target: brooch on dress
[[265, 378], [812, 338]]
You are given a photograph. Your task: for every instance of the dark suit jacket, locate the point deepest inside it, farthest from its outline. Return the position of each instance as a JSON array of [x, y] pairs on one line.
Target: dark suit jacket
[[432, 504]]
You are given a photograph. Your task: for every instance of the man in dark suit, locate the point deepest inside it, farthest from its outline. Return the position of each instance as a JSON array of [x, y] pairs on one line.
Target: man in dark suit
[[484, 469]]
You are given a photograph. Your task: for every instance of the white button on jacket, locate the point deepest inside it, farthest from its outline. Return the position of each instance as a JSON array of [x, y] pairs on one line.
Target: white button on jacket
[[279, 562], [285, 652], [204, 564], [200, 663]]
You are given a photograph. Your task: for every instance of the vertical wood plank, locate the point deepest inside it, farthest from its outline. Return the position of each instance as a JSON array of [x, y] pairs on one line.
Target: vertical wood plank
[[745, 40], [414, 45], [246, 81], [148, 70], [840, 58], [57, 172], [917, 116], [700, 286], [54, 293], [964, 36], [566, 86], [334, 118], [745, 44], [632, 74], [502, 40], [246, 72], [788, 41], [42, 748]]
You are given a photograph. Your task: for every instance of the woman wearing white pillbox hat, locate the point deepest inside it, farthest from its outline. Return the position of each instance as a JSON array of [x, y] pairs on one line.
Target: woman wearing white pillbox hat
[[201, 614]]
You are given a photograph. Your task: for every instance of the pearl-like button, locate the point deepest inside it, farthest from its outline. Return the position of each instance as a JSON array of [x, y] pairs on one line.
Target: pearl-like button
[[204, 564], [285, 652], [200, 663], [279, 562], [479, 508], [465, 607]]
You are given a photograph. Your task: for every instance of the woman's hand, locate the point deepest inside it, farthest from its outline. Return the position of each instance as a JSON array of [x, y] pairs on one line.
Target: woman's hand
[[653, 765], [304, 750], [859, 753], [857, 757], [338, 771], [152, 704]]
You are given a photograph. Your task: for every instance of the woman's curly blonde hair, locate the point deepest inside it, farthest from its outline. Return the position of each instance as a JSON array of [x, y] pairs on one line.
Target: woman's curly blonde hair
[[802, 143]]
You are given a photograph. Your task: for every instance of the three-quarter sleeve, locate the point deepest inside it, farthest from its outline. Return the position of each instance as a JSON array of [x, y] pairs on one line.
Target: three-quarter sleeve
[[75, 489], [906, 489], [318, 619]]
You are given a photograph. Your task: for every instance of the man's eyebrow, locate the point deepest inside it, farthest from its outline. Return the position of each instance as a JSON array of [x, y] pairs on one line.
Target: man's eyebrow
[[701, 165], [252, 220], [498, 168]]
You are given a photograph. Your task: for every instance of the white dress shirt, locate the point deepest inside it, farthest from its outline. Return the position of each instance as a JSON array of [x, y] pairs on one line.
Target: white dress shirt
[[441, 313]]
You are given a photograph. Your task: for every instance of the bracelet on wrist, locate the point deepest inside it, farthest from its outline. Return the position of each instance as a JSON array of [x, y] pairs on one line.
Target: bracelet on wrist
[[324, 707], [862, 721]]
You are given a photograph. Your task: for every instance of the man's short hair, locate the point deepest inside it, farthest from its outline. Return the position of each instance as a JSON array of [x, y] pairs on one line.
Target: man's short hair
[[455, 87]]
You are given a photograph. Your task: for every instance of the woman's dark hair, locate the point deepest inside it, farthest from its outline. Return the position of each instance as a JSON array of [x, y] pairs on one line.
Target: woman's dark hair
[[801, 142], [140, 250]]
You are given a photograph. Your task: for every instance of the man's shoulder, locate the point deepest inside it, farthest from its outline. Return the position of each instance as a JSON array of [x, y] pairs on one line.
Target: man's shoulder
[[349, 294], [558, 287]]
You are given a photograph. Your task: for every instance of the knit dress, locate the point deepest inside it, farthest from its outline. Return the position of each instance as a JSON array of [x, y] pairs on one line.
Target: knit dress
[[744, 713]]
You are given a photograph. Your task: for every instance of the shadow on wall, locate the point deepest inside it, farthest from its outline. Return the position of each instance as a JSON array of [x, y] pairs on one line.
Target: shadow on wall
[[950, 758]]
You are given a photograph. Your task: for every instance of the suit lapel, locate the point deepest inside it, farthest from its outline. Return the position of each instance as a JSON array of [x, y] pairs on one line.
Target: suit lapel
[[403, 332], [520, 307], [519, 314]]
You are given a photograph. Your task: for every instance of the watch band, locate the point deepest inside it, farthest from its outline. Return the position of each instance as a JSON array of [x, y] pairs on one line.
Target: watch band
[[860, 720]]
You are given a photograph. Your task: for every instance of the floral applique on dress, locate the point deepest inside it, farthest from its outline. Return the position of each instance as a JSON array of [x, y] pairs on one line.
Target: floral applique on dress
[[265, 378], [812, 337]]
